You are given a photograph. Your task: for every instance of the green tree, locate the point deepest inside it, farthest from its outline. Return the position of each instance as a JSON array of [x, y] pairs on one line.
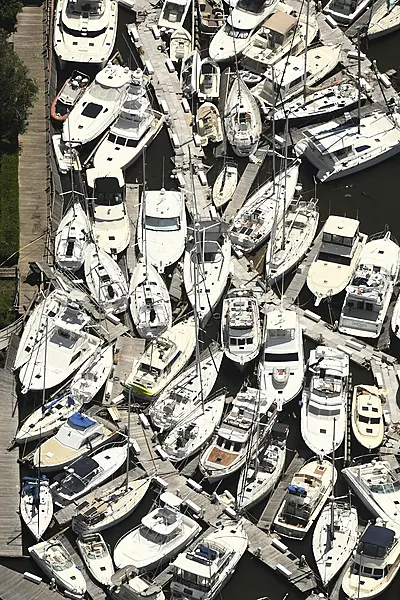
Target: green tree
[[17, 91], [9, 10]]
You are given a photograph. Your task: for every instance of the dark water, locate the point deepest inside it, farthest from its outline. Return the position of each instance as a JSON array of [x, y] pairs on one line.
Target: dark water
[[371, 196]]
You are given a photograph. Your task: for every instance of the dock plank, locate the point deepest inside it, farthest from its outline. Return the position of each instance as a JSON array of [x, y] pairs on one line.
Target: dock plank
[[14, 586]]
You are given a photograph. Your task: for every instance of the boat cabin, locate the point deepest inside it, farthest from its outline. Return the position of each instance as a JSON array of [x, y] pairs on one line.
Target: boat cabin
[[365, 298], [373, 548], [173, 12], [284, 79], [79, 475], [157, 360], [164, 523], [276, 30], [85, 8], [240, 323], [201, 567], [79, 431], [301, 496], [339, 240]]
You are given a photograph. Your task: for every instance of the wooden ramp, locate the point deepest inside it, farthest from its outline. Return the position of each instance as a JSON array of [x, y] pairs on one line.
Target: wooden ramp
[[10, 523], [272, 507]]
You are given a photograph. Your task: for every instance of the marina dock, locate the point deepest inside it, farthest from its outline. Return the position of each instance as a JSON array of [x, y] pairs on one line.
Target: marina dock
[[132, 206], [15, 586]]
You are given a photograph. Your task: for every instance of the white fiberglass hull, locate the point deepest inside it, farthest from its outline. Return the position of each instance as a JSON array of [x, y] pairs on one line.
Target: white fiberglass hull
[[68, 576], [367, 420], [72, 239], [36, 508], [91, 377], [46, 419], [242, 120], [384, 22], [105, 281], [323, 434], [225, 185], [341, 16], [97, 558]]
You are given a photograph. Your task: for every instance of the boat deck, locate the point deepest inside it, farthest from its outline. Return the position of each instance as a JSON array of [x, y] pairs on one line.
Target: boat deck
[[94, 592], [127, 349], [363, 20]]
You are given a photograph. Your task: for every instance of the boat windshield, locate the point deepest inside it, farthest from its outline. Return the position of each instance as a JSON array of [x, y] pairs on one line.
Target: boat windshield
[[369, 420], [58, 557], [280, 358], [156, 537], [239, 34], [386, 488], [253, 6], [106, 94], [192, 580], [90, 7], [163, 224]]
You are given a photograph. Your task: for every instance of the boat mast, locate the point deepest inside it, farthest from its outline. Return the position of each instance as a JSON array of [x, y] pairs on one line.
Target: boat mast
[[129, 440], [285, 182], [306, 49], [273, 132], [332, 523], [143, 223], [359, 81]]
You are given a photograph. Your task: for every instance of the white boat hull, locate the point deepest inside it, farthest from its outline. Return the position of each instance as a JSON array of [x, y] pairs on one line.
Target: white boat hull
[[36, 512]]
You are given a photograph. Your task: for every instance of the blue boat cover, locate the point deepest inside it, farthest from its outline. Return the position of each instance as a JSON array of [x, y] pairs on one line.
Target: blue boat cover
[[79, 420], [378, 536]]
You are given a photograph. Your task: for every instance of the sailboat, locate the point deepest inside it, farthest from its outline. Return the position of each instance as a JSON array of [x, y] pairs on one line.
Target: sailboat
[[111, 224], [36, 504], [225, 184], [240, 326], [72, 238], [47, 419], [209, 124], [92, 375], [97, 557], [56, 562], [105, 281], [189, 390], [242, 119]]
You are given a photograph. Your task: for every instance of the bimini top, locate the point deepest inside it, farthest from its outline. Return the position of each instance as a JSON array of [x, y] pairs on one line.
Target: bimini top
[[84, 466], [80, 420], [374, 539]]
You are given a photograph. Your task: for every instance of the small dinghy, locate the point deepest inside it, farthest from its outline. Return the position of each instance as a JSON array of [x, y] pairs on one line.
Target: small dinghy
[[97, 557], [190, 72], [72, 239], [367, 420], [211, 15], [149, 301], [105, 281], [180, 45], [209, 125], [188, 390], [87, 473], [249, 78], [56, 562], [225, 185], [192, 432], [46, 419], [209, 80], [36, 505], [91, 377], [68, 96], [67, 157], [334, 538], [242, 119], [240, 327]]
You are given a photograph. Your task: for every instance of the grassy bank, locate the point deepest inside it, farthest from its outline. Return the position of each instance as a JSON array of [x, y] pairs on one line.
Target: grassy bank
[[8, 288], [9, 193]]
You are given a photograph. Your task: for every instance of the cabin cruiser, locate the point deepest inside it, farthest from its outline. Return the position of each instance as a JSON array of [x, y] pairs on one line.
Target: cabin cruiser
[[338, 257], [78, 436], [202, 571], [162, 236], [375, 564], [339, 149], [369, 293], [377, 484], [190, 74], [189, 390], [282, 33], [209, 80], [162, 360], [106, 281], [126, 585], [244, 428], [211, 15], [235, 35], [240, 327], [291, 76], [111, 224], [64, 347], [68, 96], [206, 267], [346, 11], [173, 14], [97, 558], [85, 31], [136, 127], [56, 562], [292, 238], [99, 106], [367, 420], [324, 401], [209, 124], [163, 533], [384, 20], [265, 209], [72, 238], [242, 119], [305, 497], [180, 44], [281, 366]]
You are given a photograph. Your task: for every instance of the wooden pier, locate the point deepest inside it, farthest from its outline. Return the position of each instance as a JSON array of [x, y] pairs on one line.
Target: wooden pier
[[386, 378], [132, 206], [14, 586], [296, 285], [127, 349]]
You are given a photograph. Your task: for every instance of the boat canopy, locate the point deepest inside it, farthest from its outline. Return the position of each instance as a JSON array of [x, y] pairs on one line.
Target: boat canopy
[[79, 420], [376, 541]]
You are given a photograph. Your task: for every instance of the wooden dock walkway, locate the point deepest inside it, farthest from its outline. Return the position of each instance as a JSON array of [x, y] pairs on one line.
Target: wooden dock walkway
[[244, 185], [14, 586], [94, 592], [29, 43], [388, 382], [127, 349], [275, 500], [10, 522], [296, 285], [132, 206]]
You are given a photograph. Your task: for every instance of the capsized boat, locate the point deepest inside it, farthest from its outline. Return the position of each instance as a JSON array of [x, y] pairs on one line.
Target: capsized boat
[[334, 538], [253, 223], [97, 558], [305, 497], [36, 505], [190, 73], [162, 360], [180, 44], [209, 124], [211, 15], [92, 375], [367, 420], [209, 80], [346, 11], [72, 238], [193, 431], [162, 533], [370, 290], [173, 14], [187, 391], [324, 401], [292, 238], [72, 441], [206, 267], [242, 119], [225, 185], [68, 95], [56, 562], [212, 560], [149, 301], [281, 366], [105, 280], [99, 106], [338, 257], [375, 564], [240, 326]]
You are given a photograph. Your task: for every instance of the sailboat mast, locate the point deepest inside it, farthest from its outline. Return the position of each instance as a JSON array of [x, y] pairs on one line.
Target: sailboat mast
[[359, 81], [332, 523], [129, 440], [273, 133], [285, 181], [306, 49], [143, 223]]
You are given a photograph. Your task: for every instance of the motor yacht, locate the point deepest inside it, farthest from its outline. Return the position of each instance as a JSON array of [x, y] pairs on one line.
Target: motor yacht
[[240, 327], [209, 124], [190, 74], [97, 558], [367, 420], [281, 366], [242, 119], [180, 44], [72, 238], [85, 31], [55, 561], [324, 400], [338, 257], [129, 586], [173, 14], [106, 281]]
